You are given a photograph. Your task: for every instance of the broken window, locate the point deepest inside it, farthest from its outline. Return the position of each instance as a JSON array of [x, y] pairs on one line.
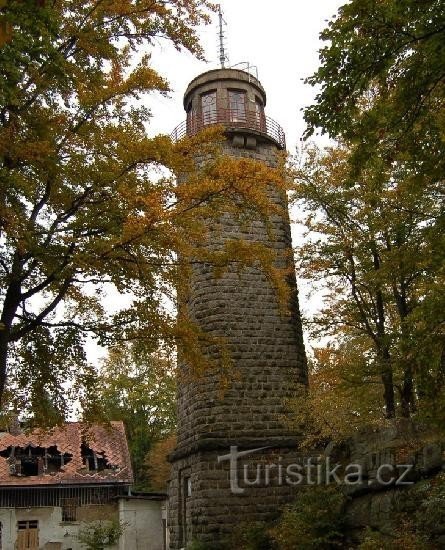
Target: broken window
[[34, 460], [95, 461]]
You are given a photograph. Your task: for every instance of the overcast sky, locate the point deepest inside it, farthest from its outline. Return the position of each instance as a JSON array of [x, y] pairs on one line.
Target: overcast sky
[[280, 38]]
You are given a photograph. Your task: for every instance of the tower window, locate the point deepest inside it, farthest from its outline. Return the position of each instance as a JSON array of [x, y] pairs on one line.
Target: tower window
[[237, 106], [208, 106], [260, 119], [191, 119]]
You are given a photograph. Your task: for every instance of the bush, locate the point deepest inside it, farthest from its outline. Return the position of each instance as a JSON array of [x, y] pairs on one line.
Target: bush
[[197, 545], [405, 538], [314, 522], [430, 517], [99, 535], [253, 536]]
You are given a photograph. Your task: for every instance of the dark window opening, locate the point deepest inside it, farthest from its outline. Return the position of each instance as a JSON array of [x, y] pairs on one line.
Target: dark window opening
[[191, 119], [186, 493], [188, 487], [29, 467], [35, 461], [94, 461], [32, 524], [69, 509]]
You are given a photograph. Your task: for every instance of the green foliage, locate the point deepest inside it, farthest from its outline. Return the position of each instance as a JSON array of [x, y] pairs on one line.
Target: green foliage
[[314, 522], [80, 208], [382, 78], [197, 545], [375, 249], [430, 515], [139, 387], [99, 535], [253, 536], [95, 235], [375, 203], [405, 538], [419, 519], [373, 539]]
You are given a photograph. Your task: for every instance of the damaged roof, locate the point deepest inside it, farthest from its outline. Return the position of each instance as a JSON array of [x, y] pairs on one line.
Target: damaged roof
[[83, 448]]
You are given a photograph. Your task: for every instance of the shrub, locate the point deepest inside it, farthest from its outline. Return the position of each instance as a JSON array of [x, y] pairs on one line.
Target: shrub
[[430, 517], [197, 545], [99, 535], [405, 538], [314, 522], [253, 536]]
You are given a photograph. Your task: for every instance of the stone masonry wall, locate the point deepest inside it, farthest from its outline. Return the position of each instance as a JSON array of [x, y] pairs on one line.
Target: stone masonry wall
[[265, 343], [267, 347]]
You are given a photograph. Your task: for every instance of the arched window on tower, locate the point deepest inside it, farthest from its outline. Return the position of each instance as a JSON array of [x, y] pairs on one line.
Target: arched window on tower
[[208, 108], [237, 106]]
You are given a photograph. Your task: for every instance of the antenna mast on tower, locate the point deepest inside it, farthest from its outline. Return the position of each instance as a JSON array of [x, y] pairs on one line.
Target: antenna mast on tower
[[223, 57]]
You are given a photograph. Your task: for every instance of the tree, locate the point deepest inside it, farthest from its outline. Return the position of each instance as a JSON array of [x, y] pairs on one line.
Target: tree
[[381, 218], [371, 246], [382, 80], [156, 460], [89, 208], [343, 394], [139, 388]]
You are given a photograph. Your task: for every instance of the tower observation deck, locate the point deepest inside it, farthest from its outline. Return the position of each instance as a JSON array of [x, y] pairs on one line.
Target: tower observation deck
[[230, 97]]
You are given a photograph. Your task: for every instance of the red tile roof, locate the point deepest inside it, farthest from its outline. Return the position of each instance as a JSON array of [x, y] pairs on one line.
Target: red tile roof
[[107, 439]]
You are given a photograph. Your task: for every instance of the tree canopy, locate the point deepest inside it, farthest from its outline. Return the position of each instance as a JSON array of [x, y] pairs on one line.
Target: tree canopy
[[373, 248], [89, 207], [139, 387], [373, 205], [382, 77]]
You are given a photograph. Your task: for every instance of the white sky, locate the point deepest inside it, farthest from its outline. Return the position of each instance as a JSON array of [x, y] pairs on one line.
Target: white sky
[[280, 38]]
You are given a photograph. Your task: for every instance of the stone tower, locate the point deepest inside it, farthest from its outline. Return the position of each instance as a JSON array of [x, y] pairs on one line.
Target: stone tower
[[207, 498]]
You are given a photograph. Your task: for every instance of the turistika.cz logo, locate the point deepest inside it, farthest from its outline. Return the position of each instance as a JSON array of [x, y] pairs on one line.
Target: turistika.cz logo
[[313, 470]]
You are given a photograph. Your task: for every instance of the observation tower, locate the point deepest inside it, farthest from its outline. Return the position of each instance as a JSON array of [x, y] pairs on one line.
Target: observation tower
[[206, 502]]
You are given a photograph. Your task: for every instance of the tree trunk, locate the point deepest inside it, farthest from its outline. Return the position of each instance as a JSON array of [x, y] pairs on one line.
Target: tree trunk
[[382, 345], [10, 305], [388, 384], [4, 342], [407, 393]]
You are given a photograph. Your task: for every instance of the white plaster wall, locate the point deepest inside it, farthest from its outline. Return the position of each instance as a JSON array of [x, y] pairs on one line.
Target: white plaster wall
[[144, 528], [51, 528], [7, 519]]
